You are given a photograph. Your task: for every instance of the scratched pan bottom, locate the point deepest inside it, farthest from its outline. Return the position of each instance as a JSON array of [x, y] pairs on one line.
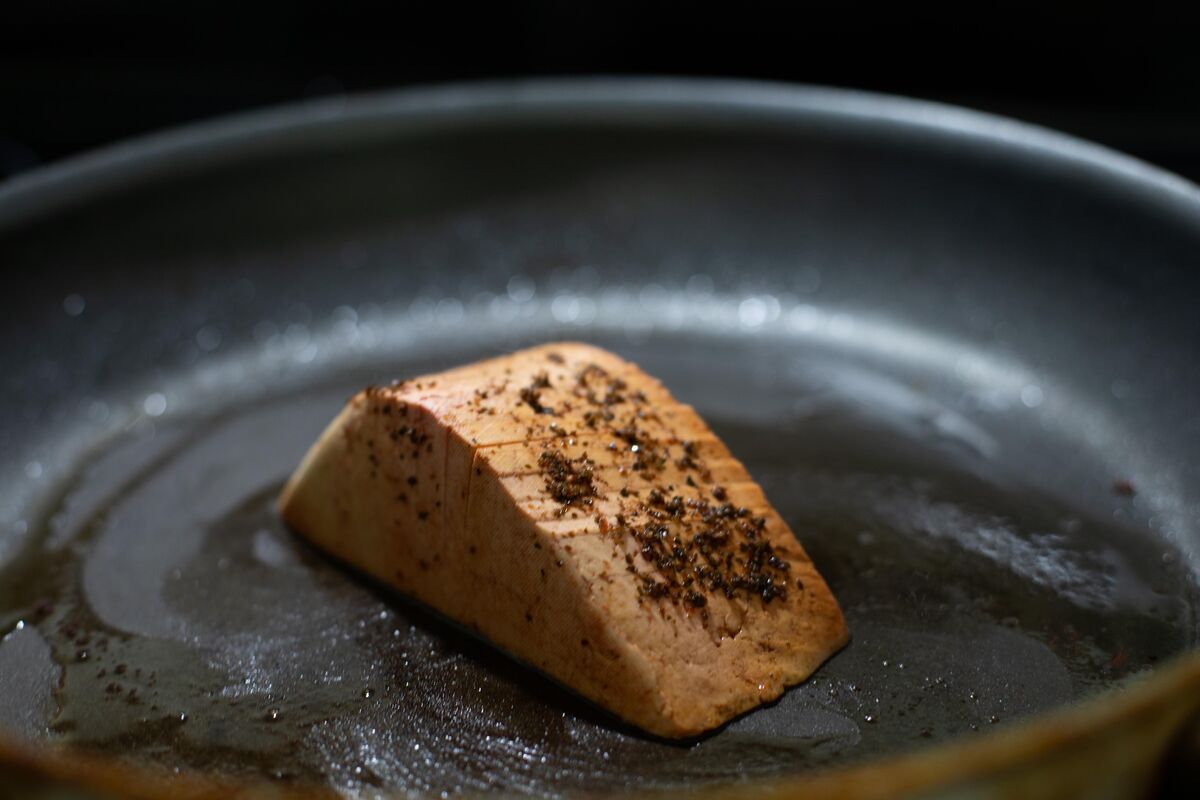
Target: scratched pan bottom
[[162, 613]]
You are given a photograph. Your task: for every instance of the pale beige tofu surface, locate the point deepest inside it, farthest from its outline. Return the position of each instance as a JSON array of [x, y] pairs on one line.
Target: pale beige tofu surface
[[563, 504]]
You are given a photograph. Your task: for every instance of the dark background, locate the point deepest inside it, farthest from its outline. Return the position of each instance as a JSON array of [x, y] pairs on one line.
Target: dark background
[[75, 75]]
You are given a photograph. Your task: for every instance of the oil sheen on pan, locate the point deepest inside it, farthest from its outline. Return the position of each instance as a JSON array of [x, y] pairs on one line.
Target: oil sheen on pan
[[170, 616]]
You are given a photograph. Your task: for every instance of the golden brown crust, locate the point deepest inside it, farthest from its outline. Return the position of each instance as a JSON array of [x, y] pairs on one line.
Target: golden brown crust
[[562, 503]]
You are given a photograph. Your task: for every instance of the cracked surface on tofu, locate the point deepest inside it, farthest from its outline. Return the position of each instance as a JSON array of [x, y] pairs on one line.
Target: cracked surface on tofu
[[562, 503]]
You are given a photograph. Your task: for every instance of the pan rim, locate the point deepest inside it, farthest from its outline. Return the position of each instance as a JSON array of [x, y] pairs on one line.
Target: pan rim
[[46, 190]]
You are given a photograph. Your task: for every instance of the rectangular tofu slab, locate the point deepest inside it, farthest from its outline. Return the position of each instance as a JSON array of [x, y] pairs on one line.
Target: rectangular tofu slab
[[563, 504]]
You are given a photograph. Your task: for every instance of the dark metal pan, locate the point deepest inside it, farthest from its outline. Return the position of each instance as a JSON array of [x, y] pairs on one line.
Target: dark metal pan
[[958, 352]]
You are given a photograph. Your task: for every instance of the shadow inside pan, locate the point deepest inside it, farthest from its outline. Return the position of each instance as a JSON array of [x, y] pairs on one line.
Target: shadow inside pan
[[164, 614]]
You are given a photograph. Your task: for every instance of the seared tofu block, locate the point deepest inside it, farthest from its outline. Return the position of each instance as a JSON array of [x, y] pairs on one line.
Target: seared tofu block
[[563, 504]]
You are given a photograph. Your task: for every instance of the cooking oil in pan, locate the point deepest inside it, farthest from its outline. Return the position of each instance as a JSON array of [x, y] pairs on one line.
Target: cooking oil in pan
[[166, 615]]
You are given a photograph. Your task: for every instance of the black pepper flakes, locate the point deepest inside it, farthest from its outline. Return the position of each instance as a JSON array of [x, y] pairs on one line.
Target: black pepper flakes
[[686, 550], [531, 395], [694, 547], [569, 481]]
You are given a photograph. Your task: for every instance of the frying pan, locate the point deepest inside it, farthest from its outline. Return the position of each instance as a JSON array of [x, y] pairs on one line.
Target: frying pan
[[958, 352]]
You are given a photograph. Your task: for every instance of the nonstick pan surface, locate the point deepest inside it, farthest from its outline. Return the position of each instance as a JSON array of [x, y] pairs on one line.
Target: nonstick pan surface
[[958, 353]]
